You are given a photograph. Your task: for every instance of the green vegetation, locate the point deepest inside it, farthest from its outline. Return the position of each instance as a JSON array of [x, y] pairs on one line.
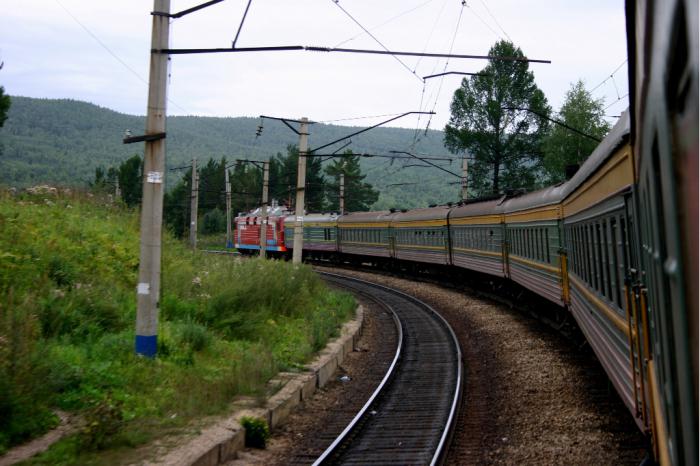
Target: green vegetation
[[488, 124], [359, 196], [68, 268], [63, 142], [4, 105], [563, 147], [256, 432]]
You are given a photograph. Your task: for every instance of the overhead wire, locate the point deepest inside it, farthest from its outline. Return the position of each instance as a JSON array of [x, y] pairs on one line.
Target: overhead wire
[[619, 99], [495, 20], [384, 23], [416, 140], [484, 22], [112, 53], [375, 39]]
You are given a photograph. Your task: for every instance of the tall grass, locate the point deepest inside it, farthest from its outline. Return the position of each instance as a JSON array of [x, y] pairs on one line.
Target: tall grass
[[68, 267]]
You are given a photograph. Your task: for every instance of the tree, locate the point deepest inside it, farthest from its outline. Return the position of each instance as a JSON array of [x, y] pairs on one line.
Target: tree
[[176, 206], [283, 180], [359, 196], [4, 106], [564, 147], [505, 142], [246, 187], [212, 187], [130, 177]]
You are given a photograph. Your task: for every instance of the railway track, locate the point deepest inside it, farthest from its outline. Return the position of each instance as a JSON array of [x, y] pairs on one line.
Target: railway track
[[409, 418]]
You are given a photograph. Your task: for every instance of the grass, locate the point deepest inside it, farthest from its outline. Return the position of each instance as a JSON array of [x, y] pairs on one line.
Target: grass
[[68, 269]]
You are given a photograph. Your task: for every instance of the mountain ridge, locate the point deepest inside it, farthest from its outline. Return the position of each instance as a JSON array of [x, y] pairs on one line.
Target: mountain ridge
[[63, 141]]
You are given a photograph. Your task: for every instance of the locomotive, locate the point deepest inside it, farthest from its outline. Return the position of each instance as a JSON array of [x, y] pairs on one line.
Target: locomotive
[[615, 246]]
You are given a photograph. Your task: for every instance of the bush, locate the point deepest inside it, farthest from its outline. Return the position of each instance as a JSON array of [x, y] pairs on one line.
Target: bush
[[256, 432], [214, 221]]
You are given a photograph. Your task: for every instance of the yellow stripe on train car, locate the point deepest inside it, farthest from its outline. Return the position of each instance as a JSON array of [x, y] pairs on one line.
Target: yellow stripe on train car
[[612, 316]]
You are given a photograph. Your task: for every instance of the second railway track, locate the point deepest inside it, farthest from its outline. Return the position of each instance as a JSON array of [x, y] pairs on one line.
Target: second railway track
[[408, 420]]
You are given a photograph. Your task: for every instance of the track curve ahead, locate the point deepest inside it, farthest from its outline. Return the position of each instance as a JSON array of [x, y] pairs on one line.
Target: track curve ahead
[[409, 419]]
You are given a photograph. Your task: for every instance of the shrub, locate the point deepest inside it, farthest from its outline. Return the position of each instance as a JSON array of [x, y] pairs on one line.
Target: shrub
[[214, 221], [256, 432]]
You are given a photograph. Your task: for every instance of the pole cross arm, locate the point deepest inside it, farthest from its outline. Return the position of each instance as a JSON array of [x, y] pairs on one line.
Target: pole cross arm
[[145, 137], [187, 11], [371, 127]]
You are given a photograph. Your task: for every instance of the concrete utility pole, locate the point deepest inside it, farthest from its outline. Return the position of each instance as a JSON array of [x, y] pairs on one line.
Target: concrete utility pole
[[194, 203], [342, 193], [148, 289], [117, 191], [229, 242], [464, 179], [263, 212], [301, 182]]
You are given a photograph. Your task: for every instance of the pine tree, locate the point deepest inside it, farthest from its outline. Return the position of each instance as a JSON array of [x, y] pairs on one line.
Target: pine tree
[[359, 196]]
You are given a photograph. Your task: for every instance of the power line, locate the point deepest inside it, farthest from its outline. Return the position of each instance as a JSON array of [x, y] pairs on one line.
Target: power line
[[485, 23], [385, 22], [313, 48], [114, 55], [430, 36], [495, 20], [447, 62], [375, 39], [619, 99], [610, 76], [359, 118]]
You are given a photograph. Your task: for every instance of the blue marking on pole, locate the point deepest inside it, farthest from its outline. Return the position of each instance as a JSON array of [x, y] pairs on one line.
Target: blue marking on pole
[[229, 244], [147, 345]]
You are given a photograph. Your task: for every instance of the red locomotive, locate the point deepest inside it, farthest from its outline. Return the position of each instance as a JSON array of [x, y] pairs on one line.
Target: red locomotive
[[247, 231]]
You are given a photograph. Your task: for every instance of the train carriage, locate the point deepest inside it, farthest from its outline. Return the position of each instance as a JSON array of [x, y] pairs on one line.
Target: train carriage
[[597, 231], [476, 236], [421, 235], [320, 234], [533, 244], [366, 234], [663, 82]]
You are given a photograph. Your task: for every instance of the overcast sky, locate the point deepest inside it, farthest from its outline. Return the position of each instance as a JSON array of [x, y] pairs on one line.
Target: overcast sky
[[98, 51]]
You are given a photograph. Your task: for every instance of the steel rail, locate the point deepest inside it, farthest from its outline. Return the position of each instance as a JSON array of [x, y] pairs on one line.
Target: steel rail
[[448, 426]]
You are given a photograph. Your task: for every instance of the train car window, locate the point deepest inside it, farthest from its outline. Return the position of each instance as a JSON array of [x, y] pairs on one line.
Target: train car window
[[612, 252], [572, 245], [546, 242], [605, 225], [619, 258], [581, 254], [596, 256], [585, 250], [592, 254], [599, 259]]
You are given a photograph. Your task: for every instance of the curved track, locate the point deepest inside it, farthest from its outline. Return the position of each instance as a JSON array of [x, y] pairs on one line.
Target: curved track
[[409, 418]]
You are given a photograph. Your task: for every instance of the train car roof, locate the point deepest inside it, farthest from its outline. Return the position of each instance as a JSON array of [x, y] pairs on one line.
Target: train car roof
[[314, 217], [476, 208], [428, 213], [541, 197], [380, 216], [615, 138]]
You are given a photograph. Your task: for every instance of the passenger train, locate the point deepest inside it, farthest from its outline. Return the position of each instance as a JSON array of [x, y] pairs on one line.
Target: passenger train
[[615, 246]]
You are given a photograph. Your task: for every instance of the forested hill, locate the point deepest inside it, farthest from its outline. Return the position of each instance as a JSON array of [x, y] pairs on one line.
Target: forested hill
[[63, 141]]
